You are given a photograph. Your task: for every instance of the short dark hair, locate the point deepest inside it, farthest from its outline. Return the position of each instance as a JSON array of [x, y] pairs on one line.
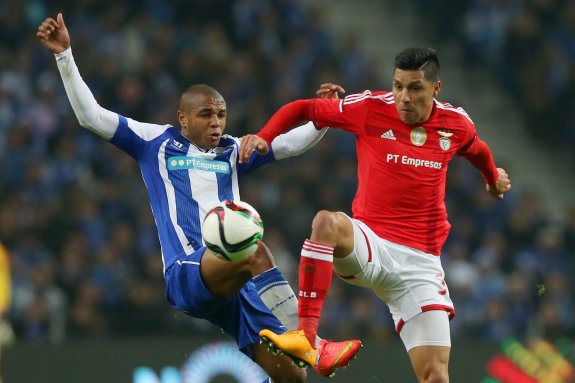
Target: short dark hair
[[418, 58], [198, 90]]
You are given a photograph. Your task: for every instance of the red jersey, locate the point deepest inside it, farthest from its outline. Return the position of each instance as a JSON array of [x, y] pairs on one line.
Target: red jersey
[[401, 168]]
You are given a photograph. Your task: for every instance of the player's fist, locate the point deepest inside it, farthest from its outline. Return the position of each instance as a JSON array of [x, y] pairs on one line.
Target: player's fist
[[249, 144], [503, 184], [329, 90], [53, 34]]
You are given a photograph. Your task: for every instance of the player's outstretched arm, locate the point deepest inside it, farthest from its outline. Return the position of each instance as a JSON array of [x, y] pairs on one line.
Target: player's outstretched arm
[[502, 186], [287, 116], [304, 137], [53, 34]]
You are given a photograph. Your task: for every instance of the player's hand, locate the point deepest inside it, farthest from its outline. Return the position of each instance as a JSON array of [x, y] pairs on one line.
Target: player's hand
[[329, 90], [251, 142], [503, 185], [53, 34]]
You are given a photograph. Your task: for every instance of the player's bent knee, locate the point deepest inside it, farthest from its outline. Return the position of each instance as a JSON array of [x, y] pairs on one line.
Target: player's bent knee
[[261, 260], [325, 222], [437, 373]]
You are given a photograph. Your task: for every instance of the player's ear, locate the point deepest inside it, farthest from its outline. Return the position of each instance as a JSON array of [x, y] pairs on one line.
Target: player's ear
[[182, 119], [436, 88]]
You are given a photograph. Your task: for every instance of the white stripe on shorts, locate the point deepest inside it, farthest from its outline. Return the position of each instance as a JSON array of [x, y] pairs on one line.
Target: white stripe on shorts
[[188, 262]]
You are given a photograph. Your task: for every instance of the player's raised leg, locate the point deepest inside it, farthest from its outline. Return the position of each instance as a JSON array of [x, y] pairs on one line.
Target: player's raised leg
[[332, 235], [274, 289]]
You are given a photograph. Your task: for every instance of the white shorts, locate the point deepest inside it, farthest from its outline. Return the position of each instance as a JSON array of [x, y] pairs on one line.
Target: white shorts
[[409, 281], [430, 328]]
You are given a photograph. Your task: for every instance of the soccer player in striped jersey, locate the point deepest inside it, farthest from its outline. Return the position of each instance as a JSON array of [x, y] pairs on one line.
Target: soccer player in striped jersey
[[404, 140], [187, 171]]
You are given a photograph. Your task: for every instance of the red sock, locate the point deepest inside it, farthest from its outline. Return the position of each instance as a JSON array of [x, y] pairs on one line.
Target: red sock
[[315, 271]]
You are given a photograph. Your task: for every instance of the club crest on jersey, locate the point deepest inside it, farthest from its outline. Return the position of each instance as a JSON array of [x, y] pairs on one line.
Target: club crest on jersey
[[220, 150], [444, 143], [445, 133], [418, 136]]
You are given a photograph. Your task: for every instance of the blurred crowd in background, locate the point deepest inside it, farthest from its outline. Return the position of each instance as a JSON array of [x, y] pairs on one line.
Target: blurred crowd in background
[[74, 214], [529, 47]]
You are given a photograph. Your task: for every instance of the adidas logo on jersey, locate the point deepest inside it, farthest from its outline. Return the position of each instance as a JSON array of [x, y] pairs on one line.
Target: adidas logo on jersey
[[388, 135]]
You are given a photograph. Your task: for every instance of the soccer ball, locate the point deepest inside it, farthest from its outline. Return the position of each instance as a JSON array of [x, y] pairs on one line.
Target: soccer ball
[[232, 230]]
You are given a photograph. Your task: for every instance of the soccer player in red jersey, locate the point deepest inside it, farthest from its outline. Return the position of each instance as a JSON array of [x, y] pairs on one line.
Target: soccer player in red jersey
[[404, 141]]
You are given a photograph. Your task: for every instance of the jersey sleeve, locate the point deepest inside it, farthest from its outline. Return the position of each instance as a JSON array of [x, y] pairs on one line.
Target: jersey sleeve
[[89, 113], [478, 153], [296, 141], [129, 135], [348, 113], [469, 134], [133, 136]]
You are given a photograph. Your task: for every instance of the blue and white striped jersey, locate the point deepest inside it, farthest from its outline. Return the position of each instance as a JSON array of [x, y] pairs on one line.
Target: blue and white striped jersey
[[183, 181]]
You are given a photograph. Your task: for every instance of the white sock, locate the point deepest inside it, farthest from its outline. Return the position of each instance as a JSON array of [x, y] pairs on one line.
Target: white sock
[[278, 296]]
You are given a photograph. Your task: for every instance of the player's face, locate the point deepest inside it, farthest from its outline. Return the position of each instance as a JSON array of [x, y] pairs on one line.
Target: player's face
[[413, 95], [203, 120]]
